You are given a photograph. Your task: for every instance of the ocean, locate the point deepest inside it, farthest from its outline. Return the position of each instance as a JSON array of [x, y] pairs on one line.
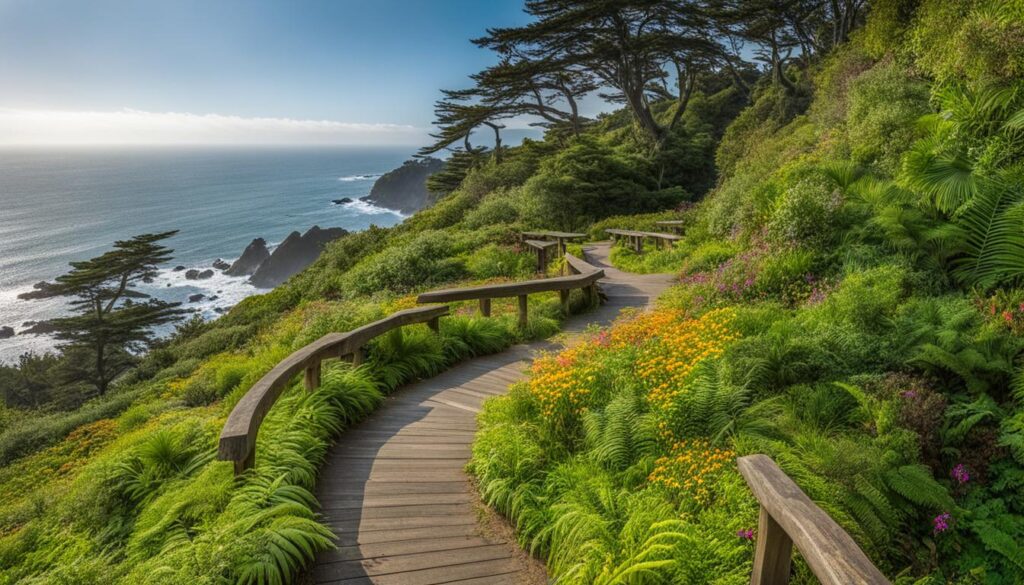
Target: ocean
[[62, 205]]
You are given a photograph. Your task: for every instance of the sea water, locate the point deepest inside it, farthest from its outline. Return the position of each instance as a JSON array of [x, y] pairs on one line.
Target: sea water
[[62, 205]]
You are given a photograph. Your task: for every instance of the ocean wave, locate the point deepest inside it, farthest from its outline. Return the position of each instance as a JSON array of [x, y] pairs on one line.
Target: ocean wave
[[367, 208], [353, 178]]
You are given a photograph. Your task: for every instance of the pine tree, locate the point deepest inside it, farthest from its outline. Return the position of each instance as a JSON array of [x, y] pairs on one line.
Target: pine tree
[[108, 328]]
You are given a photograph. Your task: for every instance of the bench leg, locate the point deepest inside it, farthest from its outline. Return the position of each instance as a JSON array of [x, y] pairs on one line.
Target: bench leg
[[435, 324], [485, 307], [563, 296], [523, 305]]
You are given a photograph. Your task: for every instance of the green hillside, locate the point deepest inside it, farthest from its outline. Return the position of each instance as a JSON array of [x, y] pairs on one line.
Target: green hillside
[[849, 303]]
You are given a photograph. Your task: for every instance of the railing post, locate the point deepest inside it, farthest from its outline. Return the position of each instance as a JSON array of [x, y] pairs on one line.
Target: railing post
[[773, 552], [563, 295], [359, 356], [485, 307], [247, 463], [523, 304], [435, 324], [542, 260], [312, 376]]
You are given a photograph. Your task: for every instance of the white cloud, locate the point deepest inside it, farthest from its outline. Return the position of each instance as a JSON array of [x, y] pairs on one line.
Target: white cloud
[[55, 127]]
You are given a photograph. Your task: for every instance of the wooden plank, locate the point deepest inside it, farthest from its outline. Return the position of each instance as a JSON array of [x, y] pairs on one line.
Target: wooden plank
[[831, 554], [426, 544], [540, 244], [462, 564]]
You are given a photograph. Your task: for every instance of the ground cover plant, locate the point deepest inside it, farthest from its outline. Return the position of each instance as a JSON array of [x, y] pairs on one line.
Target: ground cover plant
[[857, 268]]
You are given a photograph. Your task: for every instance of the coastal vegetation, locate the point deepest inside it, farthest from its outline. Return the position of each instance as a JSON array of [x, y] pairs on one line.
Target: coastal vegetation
[[848, 303]]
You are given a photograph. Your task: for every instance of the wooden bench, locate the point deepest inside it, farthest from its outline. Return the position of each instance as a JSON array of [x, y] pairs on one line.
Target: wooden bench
[[584, 278], [238, 437], [636, 238], [541, 247], [789, 517], [560, 237], [676, 225]]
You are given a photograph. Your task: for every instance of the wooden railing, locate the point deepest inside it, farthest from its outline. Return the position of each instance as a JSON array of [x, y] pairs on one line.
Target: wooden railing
[[585, 277], [789, 517], [636, 238], [238, 437], [541, 247]]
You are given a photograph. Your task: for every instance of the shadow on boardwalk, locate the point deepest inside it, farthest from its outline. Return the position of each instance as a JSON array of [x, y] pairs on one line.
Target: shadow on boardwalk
[[394, 490]]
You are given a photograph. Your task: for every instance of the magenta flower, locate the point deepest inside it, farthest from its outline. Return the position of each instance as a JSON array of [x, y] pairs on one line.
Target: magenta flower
[[909, 394], [745, 533], [941, 522], [960, 474]]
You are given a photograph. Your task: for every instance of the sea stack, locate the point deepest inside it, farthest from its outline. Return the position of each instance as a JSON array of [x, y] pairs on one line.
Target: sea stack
[[295, 253], [255, 253]]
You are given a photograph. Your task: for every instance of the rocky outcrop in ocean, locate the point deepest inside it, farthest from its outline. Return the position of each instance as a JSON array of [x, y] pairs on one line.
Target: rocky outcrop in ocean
[[295, 253], [405, 188], [6, 331], [255, 254]]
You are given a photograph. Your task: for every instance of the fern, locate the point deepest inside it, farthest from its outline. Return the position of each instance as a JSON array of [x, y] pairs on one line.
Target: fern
[[994, 223], [916, 484]]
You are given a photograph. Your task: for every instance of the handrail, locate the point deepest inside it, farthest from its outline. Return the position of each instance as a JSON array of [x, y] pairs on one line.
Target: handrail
[[636, 238], [789, 517], [238, 437], [541, 249], [586, 278]]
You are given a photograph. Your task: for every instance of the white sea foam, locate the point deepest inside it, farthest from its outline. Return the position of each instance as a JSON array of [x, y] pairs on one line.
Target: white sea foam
[[367, 208], [353, 178]]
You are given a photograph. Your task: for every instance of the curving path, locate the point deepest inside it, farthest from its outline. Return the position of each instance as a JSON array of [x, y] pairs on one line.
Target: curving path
[[394, 490]]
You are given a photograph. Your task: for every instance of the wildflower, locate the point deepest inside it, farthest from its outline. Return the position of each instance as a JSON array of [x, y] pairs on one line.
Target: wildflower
[[909, 394], [745, 533], [1008, 317], [960, 474], [941, 522]]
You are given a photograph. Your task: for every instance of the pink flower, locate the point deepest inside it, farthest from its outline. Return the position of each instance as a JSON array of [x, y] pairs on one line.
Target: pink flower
[[745, 533], [1008, 316], [909, 394], [960, 473], [941, 522]]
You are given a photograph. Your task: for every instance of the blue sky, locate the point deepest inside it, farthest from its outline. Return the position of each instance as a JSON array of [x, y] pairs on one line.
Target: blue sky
[[79, 71]]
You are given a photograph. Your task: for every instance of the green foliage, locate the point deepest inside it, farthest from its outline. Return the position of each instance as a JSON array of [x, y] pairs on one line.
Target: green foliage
[[591, 180]]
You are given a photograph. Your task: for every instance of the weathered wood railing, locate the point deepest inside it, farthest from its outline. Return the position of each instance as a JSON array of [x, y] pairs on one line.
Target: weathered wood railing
[[560, 237], [789, 517], [584, 277], [238, 438], [636, 238], [541, 248]]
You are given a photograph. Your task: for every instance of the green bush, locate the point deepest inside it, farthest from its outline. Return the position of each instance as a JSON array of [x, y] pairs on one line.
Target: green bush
[[884, 103], [424, 260], [807, 213], [493, 261]]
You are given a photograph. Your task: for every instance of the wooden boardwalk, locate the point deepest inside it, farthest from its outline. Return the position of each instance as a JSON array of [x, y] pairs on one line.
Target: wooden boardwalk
[[394, 489]]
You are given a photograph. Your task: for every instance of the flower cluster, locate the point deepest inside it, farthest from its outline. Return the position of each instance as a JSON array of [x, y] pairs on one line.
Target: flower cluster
[[691, 468], [941, 522], [676, 345], [731, 281], [745, 533], [1005, 308], [561, 382], [960, 474]]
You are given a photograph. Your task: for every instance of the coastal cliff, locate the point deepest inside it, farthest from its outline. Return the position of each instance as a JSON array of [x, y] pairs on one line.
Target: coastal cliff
[[405, 188]]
